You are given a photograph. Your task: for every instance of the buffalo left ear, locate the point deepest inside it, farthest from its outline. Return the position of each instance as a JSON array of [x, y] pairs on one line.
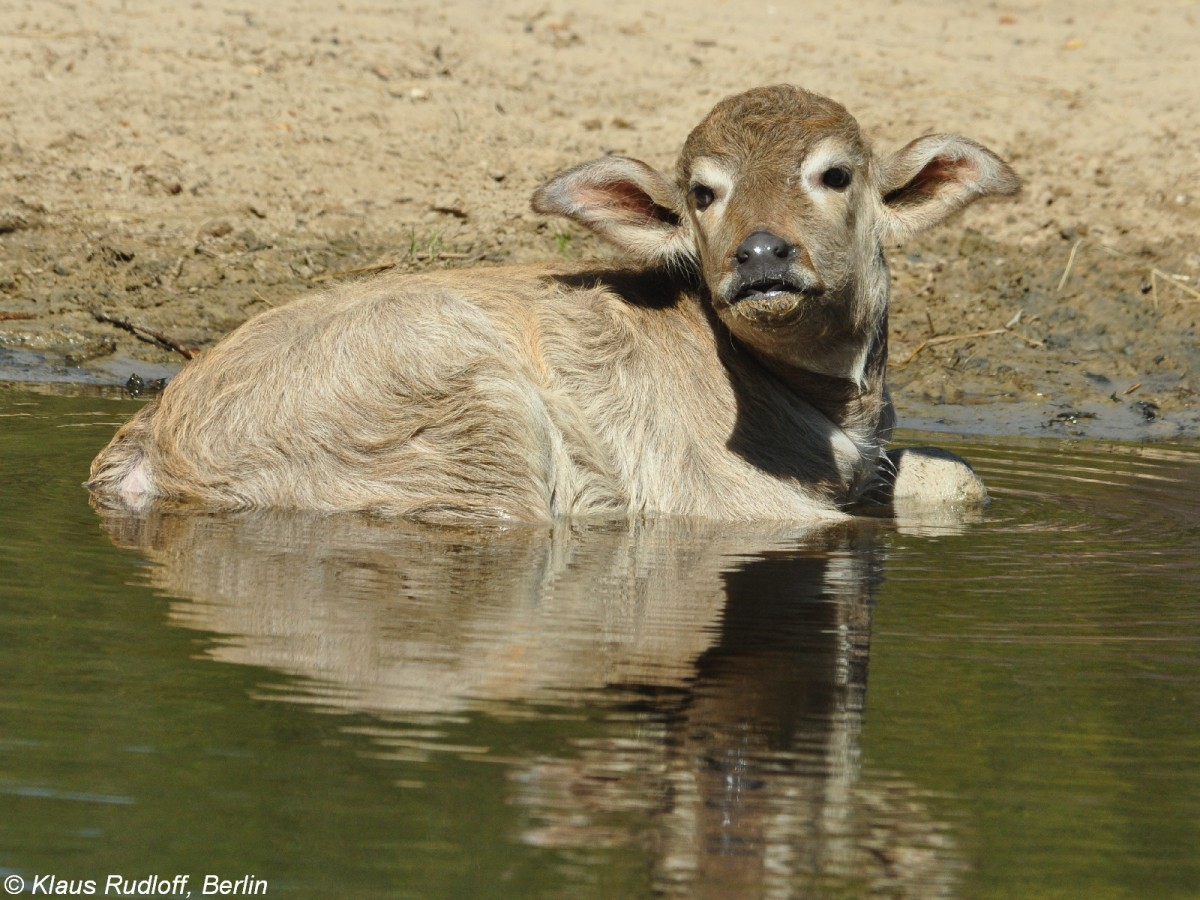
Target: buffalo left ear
[[934, 177], [626, 202]]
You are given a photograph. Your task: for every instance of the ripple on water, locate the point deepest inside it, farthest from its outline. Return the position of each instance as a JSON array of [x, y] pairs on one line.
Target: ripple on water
[[671, 707]]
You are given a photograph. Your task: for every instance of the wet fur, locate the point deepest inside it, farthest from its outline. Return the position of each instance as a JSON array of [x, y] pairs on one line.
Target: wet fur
[[534, 406]]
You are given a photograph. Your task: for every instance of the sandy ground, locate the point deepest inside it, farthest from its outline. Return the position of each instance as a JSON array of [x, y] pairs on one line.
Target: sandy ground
[[181, 166]]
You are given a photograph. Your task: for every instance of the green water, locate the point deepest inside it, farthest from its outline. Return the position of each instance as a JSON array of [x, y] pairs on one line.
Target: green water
[[344, 707]]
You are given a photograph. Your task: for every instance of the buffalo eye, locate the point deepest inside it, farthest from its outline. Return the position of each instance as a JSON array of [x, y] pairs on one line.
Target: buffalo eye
[[837, 178], [702, 196]]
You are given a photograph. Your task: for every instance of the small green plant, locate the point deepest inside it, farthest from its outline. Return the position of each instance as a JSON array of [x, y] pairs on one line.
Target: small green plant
[[427, 248], [562, 240]]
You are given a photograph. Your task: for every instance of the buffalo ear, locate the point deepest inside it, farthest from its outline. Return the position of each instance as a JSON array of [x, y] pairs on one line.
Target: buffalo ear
[[624, 201], [934, 177]]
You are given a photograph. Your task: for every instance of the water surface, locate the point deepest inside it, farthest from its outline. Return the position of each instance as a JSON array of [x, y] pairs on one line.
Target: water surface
[[348, 707]]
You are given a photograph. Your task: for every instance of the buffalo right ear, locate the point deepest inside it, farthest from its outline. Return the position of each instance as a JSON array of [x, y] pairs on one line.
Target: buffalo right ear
[[934, 177], [624, 201]]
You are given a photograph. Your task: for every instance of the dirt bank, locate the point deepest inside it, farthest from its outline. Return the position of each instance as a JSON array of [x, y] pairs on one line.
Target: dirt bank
[[181, 167]]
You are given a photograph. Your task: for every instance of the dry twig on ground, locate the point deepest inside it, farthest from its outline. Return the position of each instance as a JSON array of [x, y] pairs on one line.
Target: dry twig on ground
[[145, 334]]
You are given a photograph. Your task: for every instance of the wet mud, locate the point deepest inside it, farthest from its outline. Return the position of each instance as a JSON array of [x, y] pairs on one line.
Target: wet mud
[[170, 172]]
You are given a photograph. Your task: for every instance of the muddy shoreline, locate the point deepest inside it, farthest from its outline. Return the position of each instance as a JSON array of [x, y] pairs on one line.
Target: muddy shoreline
[[170, 173]]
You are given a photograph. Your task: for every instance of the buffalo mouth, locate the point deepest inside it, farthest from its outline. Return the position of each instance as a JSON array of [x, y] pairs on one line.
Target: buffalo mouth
[[771, 301], [763, 288]]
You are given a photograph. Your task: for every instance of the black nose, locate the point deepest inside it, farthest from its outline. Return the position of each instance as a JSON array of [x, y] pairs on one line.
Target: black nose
[[763, 247]]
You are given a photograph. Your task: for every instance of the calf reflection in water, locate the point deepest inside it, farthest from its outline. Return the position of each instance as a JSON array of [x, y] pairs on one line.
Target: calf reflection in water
[[739, 653]]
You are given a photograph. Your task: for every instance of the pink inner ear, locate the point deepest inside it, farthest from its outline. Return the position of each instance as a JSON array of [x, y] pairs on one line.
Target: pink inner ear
[[627, 201], [937, 175]]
